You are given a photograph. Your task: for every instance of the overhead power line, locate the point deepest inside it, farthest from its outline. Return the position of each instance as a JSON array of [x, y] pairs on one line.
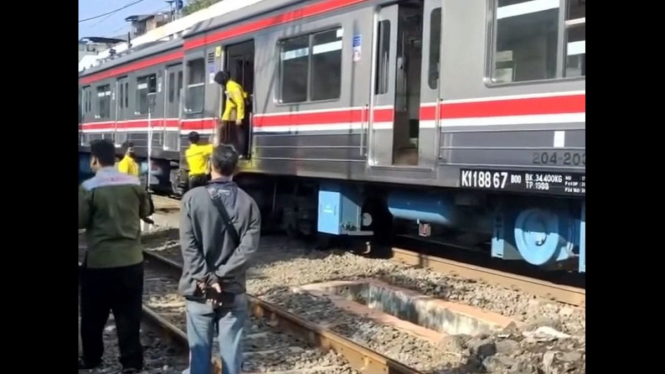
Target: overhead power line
[[111, 12]]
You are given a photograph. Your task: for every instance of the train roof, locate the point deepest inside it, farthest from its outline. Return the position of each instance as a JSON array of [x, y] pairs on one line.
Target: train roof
[[239, 15], [133, 54]]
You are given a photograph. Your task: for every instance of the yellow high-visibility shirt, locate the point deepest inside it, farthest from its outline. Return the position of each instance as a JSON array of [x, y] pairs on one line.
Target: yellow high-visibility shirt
[[128, 166], [197, 158], [235, 102]]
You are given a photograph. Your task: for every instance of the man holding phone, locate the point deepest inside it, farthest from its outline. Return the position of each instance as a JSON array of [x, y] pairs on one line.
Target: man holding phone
[[220, 226]]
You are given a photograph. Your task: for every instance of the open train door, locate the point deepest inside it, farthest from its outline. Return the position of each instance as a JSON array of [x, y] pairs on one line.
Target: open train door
[[394, 118]]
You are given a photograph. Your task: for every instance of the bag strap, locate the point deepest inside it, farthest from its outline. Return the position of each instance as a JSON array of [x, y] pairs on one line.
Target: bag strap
[[235, 238]]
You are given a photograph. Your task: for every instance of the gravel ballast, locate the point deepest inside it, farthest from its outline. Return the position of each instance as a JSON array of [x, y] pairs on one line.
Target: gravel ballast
[[551, 340]]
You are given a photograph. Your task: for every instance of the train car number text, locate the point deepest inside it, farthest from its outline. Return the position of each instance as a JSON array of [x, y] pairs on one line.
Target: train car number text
[[523, 181], [559, 158], [484, 179]]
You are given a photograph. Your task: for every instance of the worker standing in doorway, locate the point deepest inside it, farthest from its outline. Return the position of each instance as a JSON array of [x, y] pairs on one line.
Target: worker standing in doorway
[[197, 156], [234, 112], [128, 164]]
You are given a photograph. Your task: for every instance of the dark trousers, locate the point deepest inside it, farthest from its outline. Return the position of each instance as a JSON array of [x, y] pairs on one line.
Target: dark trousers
[[113, 289], [235, 135], [198, 180]]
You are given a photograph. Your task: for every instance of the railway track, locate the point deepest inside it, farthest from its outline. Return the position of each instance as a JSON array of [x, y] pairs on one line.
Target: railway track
[[357, 357], [565, 294]]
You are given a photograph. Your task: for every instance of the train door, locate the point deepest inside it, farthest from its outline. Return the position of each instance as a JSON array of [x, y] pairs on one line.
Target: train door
[[122, 110], [239, 62], [394, 115], [429, 134], [172, 107]]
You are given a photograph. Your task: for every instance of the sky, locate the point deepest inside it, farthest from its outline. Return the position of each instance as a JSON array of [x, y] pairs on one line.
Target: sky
[[113, 24]]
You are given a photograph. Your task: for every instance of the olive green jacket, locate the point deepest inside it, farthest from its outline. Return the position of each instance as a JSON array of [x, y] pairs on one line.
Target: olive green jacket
[[111, 206]]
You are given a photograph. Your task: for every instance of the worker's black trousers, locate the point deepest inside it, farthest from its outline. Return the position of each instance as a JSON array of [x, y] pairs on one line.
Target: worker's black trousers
[[198, 180], [112, 289]]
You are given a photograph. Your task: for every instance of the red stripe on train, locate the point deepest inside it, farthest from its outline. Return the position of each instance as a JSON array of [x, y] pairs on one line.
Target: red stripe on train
[[294, 15], [322, 118], [510, 107], [280, 19], [156, 124]]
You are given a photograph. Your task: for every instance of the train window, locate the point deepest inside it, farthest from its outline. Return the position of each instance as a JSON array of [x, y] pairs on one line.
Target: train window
[[326, 78], [434, 48], [382, 62], [104, 101], [85, 97], [126, 94], [121, 95], [311, 67], [179, 88], [576, 39], [195, 85], [171, 87], [146, 89], [531, 44], [294, 58]]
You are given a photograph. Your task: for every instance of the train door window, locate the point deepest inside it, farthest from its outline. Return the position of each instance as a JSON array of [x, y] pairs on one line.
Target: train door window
[[383, 60], [86, 102], [172, 83], [126, 94], [179, 89], [146, 89], [104, 101], [575, 28], [326, 77], [294, 59], [121, 96], [434, 48], [195, 85]]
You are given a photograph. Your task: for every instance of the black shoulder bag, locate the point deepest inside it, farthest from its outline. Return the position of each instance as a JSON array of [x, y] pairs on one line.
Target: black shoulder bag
[[224, 297]]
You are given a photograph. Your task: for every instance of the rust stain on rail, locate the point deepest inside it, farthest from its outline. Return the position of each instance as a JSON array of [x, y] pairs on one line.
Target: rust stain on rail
[[360, 358], [548, 290]]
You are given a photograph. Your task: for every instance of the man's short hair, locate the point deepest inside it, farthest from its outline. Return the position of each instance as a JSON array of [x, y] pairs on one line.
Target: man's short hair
[[104, 151], [193, 137], [224, 159]]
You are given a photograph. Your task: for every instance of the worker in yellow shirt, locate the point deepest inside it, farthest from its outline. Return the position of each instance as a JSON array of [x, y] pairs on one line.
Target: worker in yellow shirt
[[197, 157], [234, 112], [128, 164]]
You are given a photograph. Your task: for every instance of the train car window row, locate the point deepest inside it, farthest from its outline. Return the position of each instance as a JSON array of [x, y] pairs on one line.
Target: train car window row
[[104, 101], [537, 40], [311, 67], [195, 85]]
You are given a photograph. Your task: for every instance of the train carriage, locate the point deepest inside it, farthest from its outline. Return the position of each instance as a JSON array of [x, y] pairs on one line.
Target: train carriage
[[447, 116]]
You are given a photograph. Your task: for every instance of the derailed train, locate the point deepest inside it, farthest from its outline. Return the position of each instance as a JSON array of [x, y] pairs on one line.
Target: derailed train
[[461, 120]]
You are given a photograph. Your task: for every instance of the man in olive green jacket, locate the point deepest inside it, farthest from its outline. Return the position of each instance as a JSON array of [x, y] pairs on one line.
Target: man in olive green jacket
[[111, 205]]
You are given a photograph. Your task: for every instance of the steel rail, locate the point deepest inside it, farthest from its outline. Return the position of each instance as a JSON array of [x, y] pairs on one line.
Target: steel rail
[[552, 291], [358, 357]]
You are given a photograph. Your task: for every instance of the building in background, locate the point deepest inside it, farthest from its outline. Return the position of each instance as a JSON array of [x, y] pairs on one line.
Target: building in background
[[141, 24], [91, 46]]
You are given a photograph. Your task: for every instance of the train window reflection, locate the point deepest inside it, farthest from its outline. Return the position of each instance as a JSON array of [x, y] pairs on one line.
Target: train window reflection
[[311, 67], [195, 85], [533, 42], [104, 101]]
